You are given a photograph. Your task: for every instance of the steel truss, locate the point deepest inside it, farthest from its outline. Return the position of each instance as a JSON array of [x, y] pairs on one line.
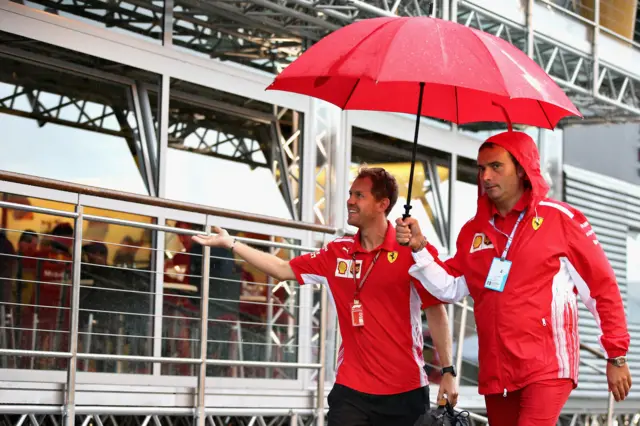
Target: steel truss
[[269, 34], [220, 125], [80, 102], [617, 92], [238, 133], [589, 419], [30, 419]]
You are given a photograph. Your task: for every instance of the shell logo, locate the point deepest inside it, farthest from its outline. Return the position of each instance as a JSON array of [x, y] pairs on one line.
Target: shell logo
[[345, 268], [477, 242], [480, 242]]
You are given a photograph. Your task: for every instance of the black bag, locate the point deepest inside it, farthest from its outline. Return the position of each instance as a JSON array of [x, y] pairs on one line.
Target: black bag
[[445, 415]]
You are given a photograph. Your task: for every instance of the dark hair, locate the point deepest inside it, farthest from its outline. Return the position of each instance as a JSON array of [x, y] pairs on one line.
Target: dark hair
[[493, 145], [28, 234], [63, 230], [383, 185], [527, 182]]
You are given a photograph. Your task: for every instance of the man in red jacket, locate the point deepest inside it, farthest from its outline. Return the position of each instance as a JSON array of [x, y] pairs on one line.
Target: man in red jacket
[[523, 259]]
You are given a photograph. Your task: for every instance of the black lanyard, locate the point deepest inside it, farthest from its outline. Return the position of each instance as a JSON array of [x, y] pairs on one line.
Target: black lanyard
[[359, 286]]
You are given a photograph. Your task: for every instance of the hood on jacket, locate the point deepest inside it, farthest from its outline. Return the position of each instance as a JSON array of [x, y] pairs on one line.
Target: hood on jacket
[[525, 151]]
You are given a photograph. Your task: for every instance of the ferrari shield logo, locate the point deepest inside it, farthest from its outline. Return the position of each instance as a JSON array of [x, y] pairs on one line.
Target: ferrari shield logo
[[392, 256], [537, 223]]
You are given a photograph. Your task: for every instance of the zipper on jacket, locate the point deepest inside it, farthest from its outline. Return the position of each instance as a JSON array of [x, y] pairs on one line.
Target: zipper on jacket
[[544, 322], [499, 345], [504, 394]]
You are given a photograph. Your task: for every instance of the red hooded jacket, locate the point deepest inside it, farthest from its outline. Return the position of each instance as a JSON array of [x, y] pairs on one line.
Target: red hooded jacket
[[529, 331]]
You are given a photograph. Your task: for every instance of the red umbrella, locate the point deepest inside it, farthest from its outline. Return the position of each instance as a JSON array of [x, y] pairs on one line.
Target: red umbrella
[[439, 68]]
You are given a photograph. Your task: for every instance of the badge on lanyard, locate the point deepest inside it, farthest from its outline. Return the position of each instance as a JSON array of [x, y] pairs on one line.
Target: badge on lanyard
[[357, 313], [357, 316], [498, 274], [500, 267]]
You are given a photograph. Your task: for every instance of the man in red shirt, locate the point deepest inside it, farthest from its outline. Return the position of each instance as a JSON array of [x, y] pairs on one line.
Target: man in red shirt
[[380, 375], [523, 259]]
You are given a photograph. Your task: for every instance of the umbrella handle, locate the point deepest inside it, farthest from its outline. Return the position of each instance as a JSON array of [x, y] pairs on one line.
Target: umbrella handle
[[407, 207]]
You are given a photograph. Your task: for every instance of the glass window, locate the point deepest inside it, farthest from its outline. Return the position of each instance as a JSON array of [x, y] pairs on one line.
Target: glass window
[[67, 127], [116, 287], [36, 251], [116, 292], [182, 299], [239, 149], [251, 317], [633, 277], [263, 324]]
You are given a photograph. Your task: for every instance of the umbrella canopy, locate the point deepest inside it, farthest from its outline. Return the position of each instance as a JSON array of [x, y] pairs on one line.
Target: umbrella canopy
[[436, 68], [376, 64]]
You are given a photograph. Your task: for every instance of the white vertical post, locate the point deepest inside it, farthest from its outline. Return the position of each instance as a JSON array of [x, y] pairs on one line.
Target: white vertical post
[[70, 395]]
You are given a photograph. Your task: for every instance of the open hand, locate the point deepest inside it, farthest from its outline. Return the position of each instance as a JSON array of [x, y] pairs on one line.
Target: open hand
[[221, 238]]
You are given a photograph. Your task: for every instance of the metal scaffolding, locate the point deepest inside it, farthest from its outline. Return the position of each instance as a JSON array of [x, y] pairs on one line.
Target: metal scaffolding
[[269, 34]]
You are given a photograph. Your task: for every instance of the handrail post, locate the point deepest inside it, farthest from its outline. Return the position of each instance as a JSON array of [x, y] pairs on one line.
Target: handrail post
[[70, 395], [610, 409], [204, 325], [322, 342]]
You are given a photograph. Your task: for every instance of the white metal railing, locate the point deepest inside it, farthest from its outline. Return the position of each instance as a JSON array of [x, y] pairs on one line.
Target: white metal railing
[[199, 359]]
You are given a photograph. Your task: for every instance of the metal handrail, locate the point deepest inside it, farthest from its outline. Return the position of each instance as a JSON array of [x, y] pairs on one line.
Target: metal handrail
[[601, 356], [150, 226], [159, 202], [69, 407]]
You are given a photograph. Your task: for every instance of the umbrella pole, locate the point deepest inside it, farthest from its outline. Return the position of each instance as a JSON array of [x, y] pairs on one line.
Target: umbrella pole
[[407, 207]]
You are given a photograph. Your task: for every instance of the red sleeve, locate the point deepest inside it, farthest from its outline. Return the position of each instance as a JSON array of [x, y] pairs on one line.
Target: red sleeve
[[312, 268], [597, 285]]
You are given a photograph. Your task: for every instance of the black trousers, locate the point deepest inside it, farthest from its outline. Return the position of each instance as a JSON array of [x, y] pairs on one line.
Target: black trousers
[[348, 407]]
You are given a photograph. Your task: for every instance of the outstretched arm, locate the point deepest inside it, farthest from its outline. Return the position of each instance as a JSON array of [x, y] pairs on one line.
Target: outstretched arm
[[265, 262]]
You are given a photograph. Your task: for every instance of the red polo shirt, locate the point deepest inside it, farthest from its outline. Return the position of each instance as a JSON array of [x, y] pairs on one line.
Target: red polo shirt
[[384, 356]]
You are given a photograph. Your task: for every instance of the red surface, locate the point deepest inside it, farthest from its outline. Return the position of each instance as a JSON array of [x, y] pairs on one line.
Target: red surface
[[377, 64]]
